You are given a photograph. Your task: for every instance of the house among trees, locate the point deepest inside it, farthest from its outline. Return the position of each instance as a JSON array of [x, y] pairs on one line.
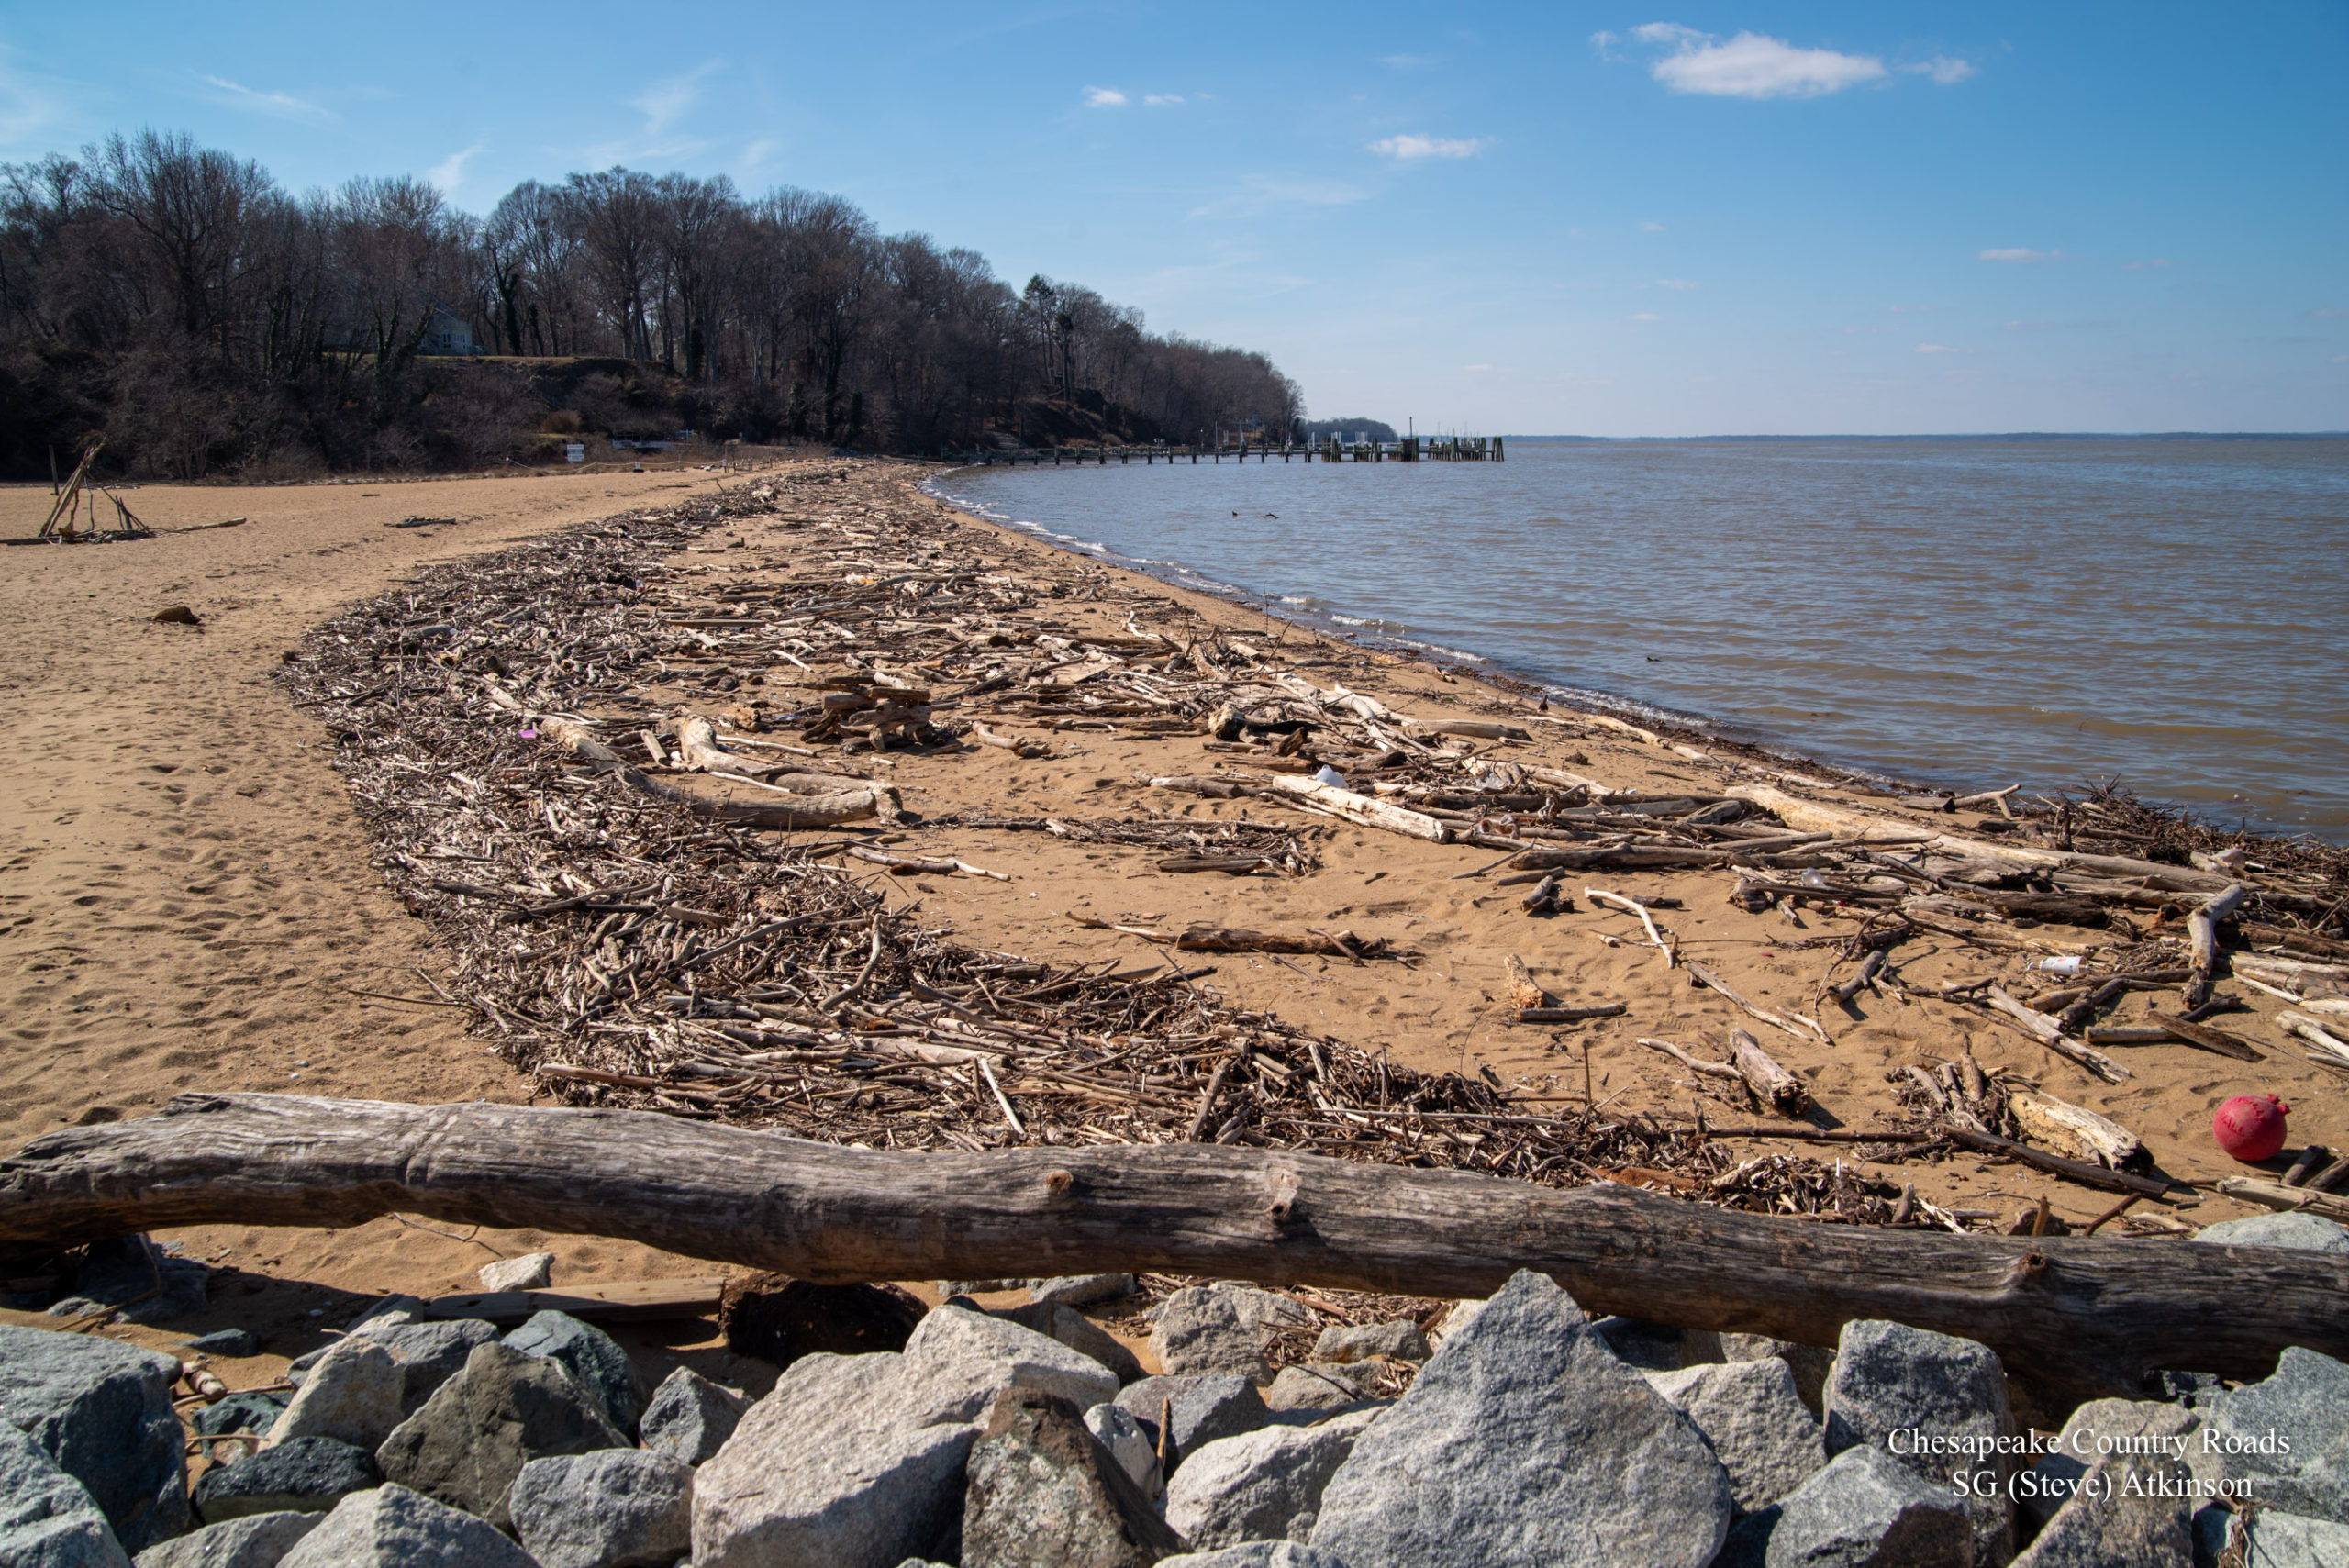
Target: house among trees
[[448, 333]]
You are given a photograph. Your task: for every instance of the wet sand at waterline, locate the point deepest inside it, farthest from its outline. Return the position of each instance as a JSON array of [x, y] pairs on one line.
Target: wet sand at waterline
[[188, 900]]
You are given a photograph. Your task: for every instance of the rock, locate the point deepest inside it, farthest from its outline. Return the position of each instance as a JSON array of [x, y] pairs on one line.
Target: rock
[[1130, 1443], [233, 1343], [531, 1271], [1203, 1330], [431, 1353], [1321, 1386], [779, 1321], [1525, 1441], [848, 1462], [386, 1312], [1043, 1493], [352, 1395], [593, 1359], [1753, 1418], [2195, 1390], [48, 1519], [472, 1436], [1078, 1332], [307, 1475], [257, 1540], [248, 1410], [1255, 1554], [689, 1417], [1650, 1347], [1359, 1341], [962, 1358], [1261, 1485], [392, 1526], [101, 1411], [2288, 1435], [2052, 1482], [1866, 1509], [2305, 1231], [1891, 1378], [123, 1273], [2132, 1512], [1810, 1364], [1081, 1290], [1201, 1409], [616, 1508], [1748, 1545], [2272, 1540], [1462, 1313]]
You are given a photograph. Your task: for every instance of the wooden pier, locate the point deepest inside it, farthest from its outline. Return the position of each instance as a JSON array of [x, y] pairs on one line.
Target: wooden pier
[[1411, 448]]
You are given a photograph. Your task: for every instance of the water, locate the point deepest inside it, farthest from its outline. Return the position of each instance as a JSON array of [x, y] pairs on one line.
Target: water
[[2171, 613]]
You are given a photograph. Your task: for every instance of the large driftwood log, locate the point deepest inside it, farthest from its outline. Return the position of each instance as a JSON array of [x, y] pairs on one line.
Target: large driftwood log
[[2084, 1315], [793, 811], [1357, 808]]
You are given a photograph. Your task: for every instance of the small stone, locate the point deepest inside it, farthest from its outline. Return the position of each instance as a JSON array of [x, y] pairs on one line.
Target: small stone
[[2132, 1512], [386, 1312], [2306, 1232], [1261, 1485], [1889, 1377], [1130, 1443], [2288, 1435], [1359, 1341], [352, 1395], [779, 1321], [1082, 1290], [1255, 1554], [307, 1475], [431, 1353], [1201, 1408], [257, 1540], [1321, 1386], [689, 1417], [2270, 1539], [392, 1526], [248, 1410], [1866, 1509], [1199, 1331], [1078, 1332], [961, 1359], [1043, 1493], [1751, 1414], [616, 1508], [1812, 1364], [531, 1271], [48, 1519], [233, 1344], [123, 1274], [472, 1436], [101, 1411], [593, 1359]]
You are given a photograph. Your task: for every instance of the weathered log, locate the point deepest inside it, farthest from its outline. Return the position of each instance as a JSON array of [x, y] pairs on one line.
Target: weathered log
[[1771, 1082], [1357, 808], [2202, 927], [2088, 1315], [1524, 991], [2046, 1031], [2202, 1035], [1570, 1015], [799, 811], [2078, 1131]]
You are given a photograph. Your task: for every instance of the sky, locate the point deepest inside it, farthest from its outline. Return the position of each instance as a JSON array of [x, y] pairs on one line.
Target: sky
[[1633, 219]]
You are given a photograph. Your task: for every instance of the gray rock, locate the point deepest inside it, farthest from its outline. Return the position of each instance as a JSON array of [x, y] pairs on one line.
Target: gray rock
[[1525, 1441], [1889, 1377], [2304, 1231], [431, 1353], [1811, 1363], [689, 1417], [257, 1541], [233, 1343], [2288, 1435], [1261, 1485], [352, 1395], [1255, 1554], [1078, 1332], [2132, 1512], [2055, 1477], [1462, 1313], [123, 1273], [1650, 1347], [1321, 1386], [1082, 1290], [386, 1312], [1200, 1409], [307, 1475], [1202, 1332], [593, 1359], [101, 1411], [1751, 1414], [392, 1526], [1748, 1545], [474, 1435], [617, 1509], [48, 1519], [2271, 1539], [248, 1410], [852, 1461], [1359, 1341], [1130, 1443], [1043, 1493], [961, 1359], [1866, 1509], [531, 1271]]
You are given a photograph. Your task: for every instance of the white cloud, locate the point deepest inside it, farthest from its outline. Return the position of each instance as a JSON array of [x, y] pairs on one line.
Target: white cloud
[[1647, 315], [1406, 149], [1647, 227], [283, 105], [1752, 65], [1476, 367], [1406, 61], [665, 102], [1674, 284], [755, 155], [1262, 193], [1946, 70], [2327, 312], [450, 172], [1935, 349], [1162, 99], [2021, 254], [2341, 359], [30, 104], [1104, 99]]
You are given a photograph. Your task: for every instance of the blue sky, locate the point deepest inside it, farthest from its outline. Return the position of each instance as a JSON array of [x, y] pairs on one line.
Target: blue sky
[[1635, 219]]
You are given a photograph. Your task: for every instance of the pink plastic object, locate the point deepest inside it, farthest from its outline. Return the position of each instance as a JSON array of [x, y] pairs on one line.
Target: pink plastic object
[[2250, 1127]]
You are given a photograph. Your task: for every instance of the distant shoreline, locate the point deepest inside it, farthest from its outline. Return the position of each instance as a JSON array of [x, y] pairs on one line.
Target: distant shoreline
[[1988, 435]]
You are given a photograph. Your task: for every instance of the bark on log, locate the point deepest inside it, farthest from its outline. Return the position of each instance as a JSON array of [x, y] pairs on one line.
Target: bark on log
[[1773, 1083], [1523, 990], [2084, 1315], [2202, 925]]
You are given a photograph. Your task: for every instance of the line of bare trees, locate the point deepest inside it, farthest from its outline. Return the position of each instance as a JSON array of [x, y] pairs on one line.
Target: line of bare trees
[[176, 300]]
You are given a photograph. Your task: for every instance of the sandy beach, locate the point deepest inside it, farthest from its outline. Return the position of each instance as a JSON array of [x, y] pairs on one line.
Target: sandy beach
[[191, 902]]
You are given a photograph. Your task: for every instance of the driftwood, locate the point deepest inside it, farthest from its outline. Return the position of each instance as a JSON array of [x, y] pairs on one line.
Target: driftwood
[[2203, 924], [2047, 1032], [1524, 991], [799, 811], [2085, 1315], [2048, 1121], [2200, 1035], [1570, 1015], [1357, 808], [1770, 1082]]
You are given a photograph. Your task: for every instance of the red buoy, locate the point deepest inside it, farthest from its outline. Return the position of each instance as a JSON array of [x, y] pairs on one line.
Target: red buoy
[[2250, 1127]]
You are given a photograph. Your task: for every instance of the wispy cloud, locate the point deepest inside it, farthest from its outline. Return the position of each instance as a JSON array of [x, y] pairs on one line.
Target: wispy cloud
[[2021, 255], [1262, 193], [1750, 65], [755, 155], [279, 106], [665, 102], [1476, 367], [450, 172], [1647, 315], [1648, 227], [2330, 312], [1946, 70], [1163, 100], [1104, 99], [1937, 349], [1674, 284], [1409, 148], [1406, 61], [29, 104]]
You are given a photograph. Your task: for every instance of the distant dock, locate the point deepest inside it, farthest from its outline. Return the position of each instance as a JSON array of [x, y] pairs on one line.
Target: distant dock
[[1411, 448]]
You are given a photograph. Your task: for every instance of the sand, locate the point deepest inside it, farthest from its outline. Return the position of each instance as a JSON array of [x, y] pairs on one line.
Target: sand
[[187, 902]]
